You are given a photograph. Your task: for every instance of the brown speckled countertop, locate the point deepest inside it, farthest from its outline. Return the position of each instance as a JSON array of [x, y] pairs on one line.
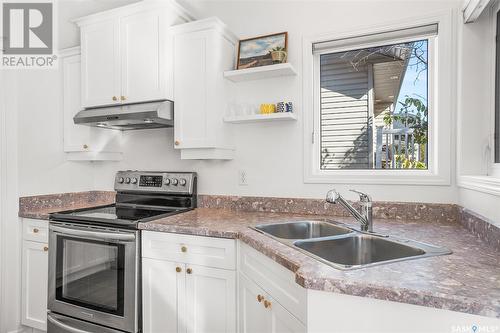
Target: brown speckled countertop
[[466, 281], [40, 206]]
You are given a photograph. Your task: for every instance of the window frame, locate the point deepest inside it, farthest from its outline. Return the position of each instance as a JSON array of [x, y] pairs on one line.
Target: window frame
[[441, 84], [494, 166]]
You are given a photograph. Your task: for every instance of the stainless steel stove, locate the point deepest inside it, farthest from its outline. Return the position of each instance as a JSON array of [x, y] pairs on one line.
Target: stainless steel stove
[[94, 253]]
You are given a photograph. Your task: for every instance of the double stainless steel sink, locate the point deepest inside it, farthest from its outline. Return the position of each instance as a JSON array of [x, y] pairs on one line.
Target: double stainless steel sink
[[346, 248]]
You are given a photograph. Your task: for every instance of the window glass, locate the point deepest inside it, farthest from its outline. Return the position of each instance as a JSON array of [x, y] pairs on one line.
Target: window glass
[[374, 107]]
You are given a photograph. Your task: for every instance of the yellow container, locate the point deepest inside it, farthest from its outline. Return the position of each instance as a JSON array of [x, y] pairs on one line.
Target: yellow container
[[267, 108]]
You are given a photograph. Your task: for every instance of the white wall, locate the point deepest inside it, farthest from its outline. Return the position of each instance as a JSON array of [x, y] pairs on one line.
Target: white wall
[[42, 164], [271, 154]]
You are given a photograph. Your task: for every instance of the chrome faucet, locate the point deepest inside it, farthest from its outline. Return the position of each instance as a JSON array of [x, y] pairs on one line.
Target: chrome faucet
[[364, 217]]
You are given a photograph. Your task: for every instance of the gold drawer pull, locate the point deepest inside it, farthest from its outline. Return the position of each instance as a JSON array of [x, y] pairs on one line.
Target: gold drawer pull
[[45, 248], [260, 298], [184, 249], [267, 304], [35, 230], [114, 98], [123, 98], [85, 146], [178, 269], [189, 271], [177, 142]]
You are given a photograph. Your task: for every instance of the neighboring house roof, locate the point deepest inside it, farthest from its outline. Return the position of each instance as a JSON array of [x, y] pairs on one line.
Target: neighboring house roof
[[389, 67]]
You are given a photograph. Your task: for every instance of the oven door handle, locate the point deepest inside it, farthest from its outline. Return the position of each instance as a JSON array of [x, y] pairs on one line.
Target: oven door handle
[[64, 326], [94, 234]]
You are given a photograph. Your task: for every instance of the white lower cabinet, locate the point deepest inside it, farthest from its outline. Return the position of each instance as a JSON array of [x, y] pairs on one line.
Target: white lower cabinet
[[260, 313], [161, 288], [267, 296], [179, 296], [253, 316], [210, 300], [34, 274]]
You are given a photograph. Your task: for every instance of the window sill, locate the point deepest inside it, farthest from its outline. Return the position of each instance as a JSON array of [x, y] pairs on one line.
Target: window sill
[[379, 177], [485, 184]]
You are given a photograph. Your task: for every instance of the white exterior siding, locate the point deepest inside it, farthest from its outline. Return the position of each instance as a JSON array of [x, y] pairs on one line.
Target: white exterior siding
[[344, 127]]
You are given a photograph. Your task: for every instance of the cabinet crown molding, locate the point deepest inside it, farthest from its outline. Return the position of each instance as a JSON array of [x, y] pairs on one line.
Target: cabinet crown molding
[[172, 5], [206, 24]]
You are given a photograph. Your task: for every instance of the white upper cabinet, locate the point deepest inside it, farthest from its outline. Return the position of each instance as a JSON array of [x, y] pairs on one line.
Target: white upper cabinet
[[124, 53], [143, 57], [203, 50], [82, 142], [100, 64]]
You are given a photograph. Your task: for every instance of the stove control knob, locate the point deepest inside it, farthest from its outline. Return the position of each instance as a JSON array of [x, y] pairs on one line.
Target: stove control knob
[[167, 181], [121, 180], [182, 182], [134, 180], [127, 180], [175, 181]]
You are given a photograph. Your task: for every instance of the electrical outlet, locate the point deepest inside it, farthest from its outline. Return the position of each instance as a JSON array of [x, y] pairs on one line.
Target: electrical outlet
[[242, 178]]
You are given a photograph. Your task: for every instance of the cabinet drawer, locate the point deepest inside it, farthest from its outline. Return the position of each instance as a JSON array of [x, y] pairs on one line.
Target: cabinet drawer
[[275, 280], [36, 230], [198, 250]]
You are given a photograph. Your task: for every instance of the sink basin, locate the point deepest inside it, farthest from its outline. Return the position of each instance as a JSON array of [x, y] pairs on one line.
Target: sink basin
[[303, 229], [345, 248], [360, 250]]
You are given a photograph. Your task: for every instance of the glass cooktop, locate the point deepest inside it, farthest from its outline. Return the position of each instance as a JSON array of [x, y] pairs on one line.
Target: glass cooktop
[[112, 215], [119, 213]]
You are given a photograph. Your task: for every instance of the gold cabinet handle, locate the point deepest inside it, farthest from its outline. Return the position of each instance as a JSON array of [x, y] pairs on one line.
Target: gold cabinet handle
[[85, 146], [267, 304], [114, 98], [45, 248], [35, 230], [260, 298], [184, 249], [177, 142], [189, 271], [178, 269], [123, 98]]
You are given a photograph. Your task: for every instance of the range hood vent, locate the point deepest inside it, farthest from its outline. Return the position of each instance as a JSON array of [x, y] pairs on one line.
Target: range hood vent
[[156, 114]]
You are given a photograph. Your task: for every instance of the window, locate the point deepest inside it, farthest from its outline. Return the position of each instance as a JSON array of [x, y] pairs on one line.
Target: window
[[373, 101]]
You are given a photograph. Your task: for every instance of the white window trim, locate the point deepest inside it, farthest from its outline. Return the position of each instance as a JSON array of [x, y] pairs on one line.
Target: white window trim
[[441, 104], [489, 183], [494, 168]]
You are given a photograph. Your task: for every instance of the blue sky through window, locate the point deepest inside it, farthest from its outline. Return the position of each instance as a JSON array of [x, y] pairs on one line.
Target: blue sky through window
[[415, 79]]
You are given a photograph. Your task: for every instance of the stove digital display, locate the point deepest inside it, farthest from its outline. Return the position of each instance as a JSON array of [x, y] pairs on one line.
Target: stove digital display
[[151, 181]]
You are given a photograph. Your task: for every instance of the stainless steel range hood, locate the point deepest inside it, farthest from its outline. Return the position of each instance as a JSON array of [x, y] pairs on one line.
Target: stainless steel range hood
[[124, 117]]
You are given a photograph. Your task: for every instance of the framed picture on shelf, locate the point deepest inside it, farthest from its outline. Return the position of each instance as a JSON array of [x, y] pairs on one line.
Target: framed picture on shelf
[[262, 50]]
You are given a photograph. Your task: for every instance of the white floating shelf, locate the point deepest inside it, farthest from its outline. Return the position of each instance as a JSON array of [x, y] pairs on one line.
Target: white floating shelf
[[255, 118], [258, 73]]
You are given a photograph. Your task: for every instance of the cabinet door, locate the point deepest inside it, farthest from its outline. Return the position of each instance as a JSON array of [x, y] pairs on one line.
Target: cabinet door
[[100, 64], [283, 321], [143, 58], [76, 137], [163, 288], [190, 91], [254, 317], [34, 282], [210, 300]]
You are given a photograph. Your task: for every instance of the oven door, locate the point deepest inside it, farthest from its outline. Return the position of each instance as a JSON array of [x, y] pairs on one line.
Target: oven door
[[93, 274]]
